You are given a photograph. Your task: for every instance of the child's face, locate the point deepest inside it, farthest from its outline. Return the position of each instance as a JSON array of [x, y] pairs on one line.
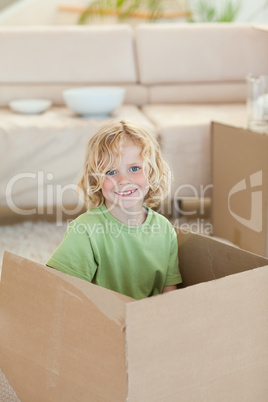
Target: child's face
[[125, 185]]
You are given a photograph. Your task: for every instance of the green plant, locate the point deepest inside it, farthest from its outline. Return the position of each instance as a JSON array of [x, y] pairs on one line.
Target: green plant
[[123, 9], [204, 11], [147, 9]]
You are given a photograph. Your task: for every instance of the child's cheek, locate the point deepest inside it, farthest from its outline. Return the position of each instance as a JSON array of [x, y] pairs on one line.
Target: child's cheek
[[144, 184], [108, 185], [143, 180]]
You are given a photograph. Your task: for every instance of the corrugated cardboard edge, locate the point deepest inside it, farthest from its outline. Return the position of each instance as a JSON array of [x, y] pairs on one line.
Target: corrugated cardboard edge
[[115, 299], [110, 305], [215, 258], [216, 261], [194, 389], [224, 224]]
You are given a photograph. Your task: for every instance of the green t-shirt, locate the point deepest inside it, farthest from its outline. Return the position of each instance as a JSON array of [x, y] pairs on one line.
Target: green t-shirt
[[137, 261]]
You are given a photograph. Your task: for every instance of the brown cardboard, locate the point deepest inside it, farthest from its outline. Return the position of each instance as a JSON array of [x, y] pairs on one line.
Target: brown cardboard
[[205, 343], [64, 339], [240, 187], [203, 259]]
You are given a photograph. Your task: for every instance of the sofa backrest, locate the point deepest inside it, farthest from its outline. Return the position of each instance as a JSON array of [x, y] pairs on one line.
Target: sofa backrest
[[157, 63], [213, 57], [49, 59], [67, 55]]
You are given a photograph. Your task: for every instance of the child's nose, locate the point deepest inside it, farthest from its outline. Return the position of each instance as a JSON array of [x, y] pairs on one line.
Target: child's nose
[[123, 179]]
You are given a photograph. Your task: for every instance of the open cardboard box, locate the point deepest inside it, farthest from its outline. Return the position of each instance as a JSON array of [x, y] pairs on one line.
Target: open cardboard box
[[64, 339], [240, 187]]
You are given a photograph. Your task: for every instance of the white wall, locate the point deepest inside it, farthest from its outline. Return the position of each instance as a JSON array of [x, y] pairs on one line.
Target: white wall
[[251, 10], [42, 12]]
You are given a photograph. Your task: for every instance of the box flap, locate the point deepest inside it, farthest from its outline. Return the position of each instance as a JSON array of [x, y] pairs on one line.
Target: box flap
[[61, 338], [203, 258], [207, 342], [240, 187]]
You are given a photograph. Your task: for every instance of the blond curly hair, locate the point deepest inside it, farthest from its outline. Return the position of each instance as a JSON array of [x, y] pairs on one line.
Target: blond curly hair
[[105, 147]]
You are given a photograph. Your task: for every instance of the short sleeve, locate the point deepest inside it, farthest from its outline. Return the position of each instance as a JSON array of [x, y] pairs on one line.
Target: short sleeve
[[74, 256], [173, 274]]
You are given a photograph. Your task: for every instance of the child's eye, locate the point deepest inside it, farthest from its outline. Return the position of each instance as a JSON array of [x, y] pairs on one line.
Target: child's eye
[[111, 172], [134, 168]]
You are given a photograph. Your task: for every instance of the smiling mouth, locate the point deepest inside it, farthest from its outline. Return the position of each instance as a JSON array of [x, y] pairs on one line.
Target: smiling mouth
[[125, 193]]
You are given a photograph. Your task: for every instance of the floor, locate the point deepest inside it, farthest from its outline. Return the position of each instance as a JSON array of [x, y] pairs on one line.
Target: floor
[[29, 239]]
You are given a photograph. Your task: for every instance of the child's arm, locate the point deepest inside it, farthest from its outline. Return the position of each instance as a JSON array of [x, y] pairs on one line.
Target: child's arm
[[169, 288]]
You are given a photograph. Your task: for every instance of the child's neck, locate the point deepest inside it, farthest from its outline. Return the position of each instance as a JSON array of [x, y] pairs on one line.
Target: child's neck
[[129, 218]]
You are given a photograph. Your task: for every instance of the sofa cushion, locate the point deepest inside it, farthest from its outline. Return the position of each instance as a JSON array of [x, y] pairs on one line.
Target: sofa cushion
[[185, 139], [48, 54], [176, 53]]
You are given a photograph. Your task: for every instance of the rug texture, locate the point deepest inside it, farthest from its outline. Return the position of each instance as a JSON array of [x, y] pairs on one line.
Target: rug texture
[[7, 393], [33, 240]]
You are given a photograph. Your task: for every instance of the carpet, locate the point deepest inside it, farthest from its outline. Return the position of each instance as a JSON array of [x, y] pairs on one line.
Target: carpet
[[33, 240]]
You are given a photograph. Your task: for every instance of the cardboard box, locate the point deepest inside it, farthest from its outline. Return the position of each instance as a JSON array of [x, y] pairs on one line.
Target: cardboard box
[[240, 187], [64, 339]]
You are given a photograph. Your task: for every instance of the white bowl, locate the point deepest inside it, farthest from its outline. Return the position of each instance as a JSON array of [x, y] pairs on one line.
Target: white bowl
[[30, 106], [94, 101]]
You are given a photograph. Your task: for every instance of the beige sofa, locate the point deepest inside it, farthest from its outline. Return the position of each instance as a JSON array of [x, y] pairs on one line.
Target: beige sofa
[[178, 78]]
